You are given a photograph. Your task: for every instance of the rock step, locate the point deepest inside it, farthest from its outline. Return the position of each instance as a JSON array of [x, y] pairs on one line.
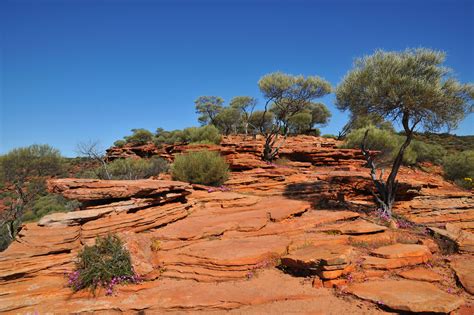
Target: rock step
[[407, 296], [328, 261], [397, 256]]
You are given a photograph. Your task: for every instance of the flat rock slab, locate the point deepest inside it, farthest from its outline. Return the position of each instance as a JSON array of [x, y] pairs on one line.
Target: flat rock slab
[[328, 261], [402, 251], [94, 189], [358, 227], [421, 274], [407, 295], [464, 268]]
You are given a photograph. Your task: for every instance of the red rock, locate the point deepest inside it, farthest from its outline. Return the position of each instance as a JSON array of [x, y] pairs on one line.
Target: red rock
[[402, 251], [95, 189], [335, 283], [464, 268], [421, 274], [406, 295]]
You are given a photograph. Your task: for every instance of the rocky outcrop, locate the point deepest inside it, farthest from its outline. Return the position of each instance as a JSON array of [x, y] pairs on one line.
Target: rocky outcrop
[[244, 153], [244, 247]]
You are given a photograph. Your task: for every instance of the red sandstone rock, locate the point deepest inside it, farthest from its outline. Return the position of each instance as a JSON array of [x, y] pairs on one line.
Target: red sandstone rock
[[406, 295], [421, 274], [464, 268]]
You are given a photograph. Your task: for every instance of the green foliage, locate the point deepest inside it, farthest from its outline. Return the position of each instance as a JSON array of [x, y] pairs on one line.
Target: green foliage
[[412, 85], [202, 167], [287, 95], [245, 105], [329, 136], [426, 152], [47, 204], [357, 121], [259, 121], [34, 161], [459, 167], [377, 139], [139, 137], [228, 120], [389, 143], [204, 134], [120, 143], [131, 168], [208, 107], [452, 143], [103, 264]]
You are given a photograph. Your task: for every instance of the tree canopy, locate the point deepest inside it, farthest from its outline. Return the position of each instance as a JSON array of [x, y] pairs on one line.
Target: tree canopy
[[412, 87], [208, 107], [287, 95]]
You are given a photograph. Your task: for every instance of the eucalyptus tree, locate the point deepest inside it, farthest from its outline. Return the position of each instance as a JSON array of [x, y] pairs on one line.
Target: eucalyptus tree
[[246, 106], [208, 107], [412, 88], [228, 120], [305, 121], [287, 95]]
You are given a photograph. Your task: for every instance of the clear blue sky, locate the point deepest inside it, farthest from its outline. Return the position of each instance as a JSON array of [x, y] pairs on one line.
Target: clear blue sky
[[77, 70]]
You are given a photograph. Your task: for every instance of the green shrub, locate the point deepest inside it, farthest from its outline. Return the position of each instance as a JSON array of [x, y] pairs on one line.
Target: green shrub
[[131, 168], [206, 134], [329, 136], [105, 264], [389, 144], [139, 137], [378, 139], [120, 143], [48, 204], [459, 167], [202, 167], [426, 152]]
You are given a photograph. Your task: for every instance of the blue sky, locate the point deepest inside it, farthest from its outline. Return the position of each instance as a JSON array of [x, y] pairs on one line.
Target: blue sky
[[72, 70]]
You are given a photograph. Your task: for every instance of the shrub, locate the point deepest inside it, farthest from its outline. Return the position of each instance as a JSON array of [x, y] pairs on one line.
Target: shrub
[[329, 136], [139, 137], [202, 167], [120, 143], [205, 134], [426, 152], [378, 139], [105, 264], [48, 204], [131, 168], [459, 167], [34, 161], [389, 143]]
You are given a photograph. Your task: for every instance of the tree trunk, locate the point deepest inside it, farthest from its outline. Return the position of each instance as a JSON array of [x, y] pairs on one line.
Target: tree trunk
[[386, 190]]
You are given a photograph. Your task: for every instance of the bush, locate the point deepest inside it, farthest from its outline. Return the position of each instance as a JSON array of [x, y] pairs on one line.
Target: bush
[[459, 167], [378, 139], [105, 264], [426, 152], [48, 204], [389, 144], [206, 134], [202, 167], [329, 136], [131, 168], [139, 137], [120, 143], [34, 161]]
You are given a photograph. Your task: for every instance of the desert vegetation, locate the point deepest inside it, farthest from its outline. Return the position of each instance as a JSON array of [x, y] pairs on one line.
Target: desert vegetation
[[105, 264], [201, 167], [413, 88]]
